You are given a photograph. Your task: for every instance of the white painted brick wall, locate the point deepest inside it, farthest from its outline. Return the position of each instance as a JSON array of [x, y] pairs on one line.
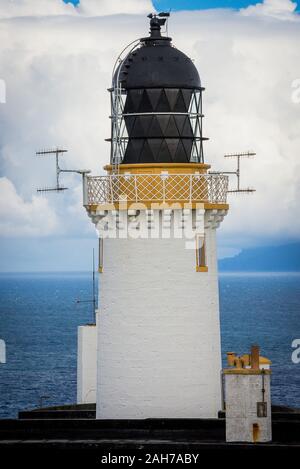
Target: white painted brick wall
[[242, 394], [158, 332], [87, 364]]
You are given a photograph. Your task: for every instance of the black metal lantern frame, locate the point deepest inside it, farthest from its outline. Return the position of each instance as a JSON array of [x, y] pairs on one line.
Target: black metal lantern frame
[[165, 123], [123, 123]]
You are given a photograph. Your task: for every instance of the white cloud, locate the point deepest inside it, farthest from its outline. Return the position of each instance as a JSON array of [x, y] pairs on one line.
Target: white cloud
[[280, 9], [33, 8], [57, 71], [109, 7], [18, 8], [19, 218]]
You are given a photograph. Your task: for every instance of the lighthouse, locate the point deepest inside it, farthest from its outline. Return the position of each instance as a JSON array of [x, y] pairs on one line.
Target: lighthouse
[[155, 350]]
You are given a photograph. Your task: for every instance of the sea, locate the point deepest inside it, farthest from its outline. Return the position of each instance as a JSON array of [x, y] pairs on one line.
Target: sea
[[40, 313]]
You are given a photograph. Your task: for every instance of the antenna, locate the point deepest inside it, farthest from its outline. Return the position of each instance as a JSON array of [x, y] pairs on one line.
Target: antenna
[[58, 152], [238, 156], [94, 299]]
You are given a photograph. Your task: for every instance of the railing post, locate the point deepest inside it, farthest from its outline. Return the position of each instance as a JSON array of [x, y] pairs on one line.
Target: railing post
[[217, 191], [135, 188], [85, 192], [226, 184], [163, 188], [111, 189], [191, 188]]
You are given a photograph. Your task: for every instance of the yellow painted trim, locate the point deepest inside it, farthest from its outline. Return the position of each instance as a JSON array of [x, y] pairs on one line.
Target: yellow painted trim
[[255, 432], [100, 255], [264, 361], [156, 206], [245, 371], [201, 263], [246, 359], [209, 206], [157, 168]]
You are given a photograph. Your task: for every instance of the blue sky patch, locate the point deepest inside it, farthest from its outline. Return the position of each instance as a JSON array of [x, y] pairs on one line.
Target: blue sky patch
[[176, 5]]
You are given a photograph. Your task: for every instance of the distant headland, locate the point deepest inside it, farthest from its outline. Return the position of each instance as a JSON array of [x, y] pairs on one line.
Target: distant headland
[[284, 258]]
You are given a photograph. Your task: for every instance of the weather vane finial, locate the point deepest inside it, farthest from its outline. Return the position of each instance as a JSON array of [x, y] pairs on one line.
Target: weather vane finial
[[157, 20]]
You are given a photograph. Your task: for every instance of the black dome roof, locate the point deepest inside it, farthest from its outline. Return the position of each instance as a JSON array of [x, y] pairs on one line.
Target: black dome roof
[[157, 64], [162, 96]]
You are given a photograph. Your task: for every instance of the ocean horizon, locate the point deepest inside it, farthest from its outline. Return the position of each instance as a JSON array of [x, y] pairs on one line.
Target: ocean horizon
[[40, 313]]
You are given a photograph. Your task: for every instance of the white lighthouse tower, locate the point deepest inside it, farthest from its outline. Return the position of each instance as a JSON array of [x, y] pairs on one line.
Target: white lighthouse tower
[[157, 350]]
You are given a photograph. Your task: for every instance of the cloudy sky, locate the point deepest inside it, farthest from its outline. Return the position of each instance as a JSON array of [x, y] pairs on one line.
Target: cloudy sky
[[55, 67]]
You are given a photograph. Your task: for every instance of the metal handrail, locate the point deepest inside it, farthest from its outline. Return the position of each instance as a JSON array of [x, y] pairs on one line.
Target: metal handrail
[[164, 188]]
